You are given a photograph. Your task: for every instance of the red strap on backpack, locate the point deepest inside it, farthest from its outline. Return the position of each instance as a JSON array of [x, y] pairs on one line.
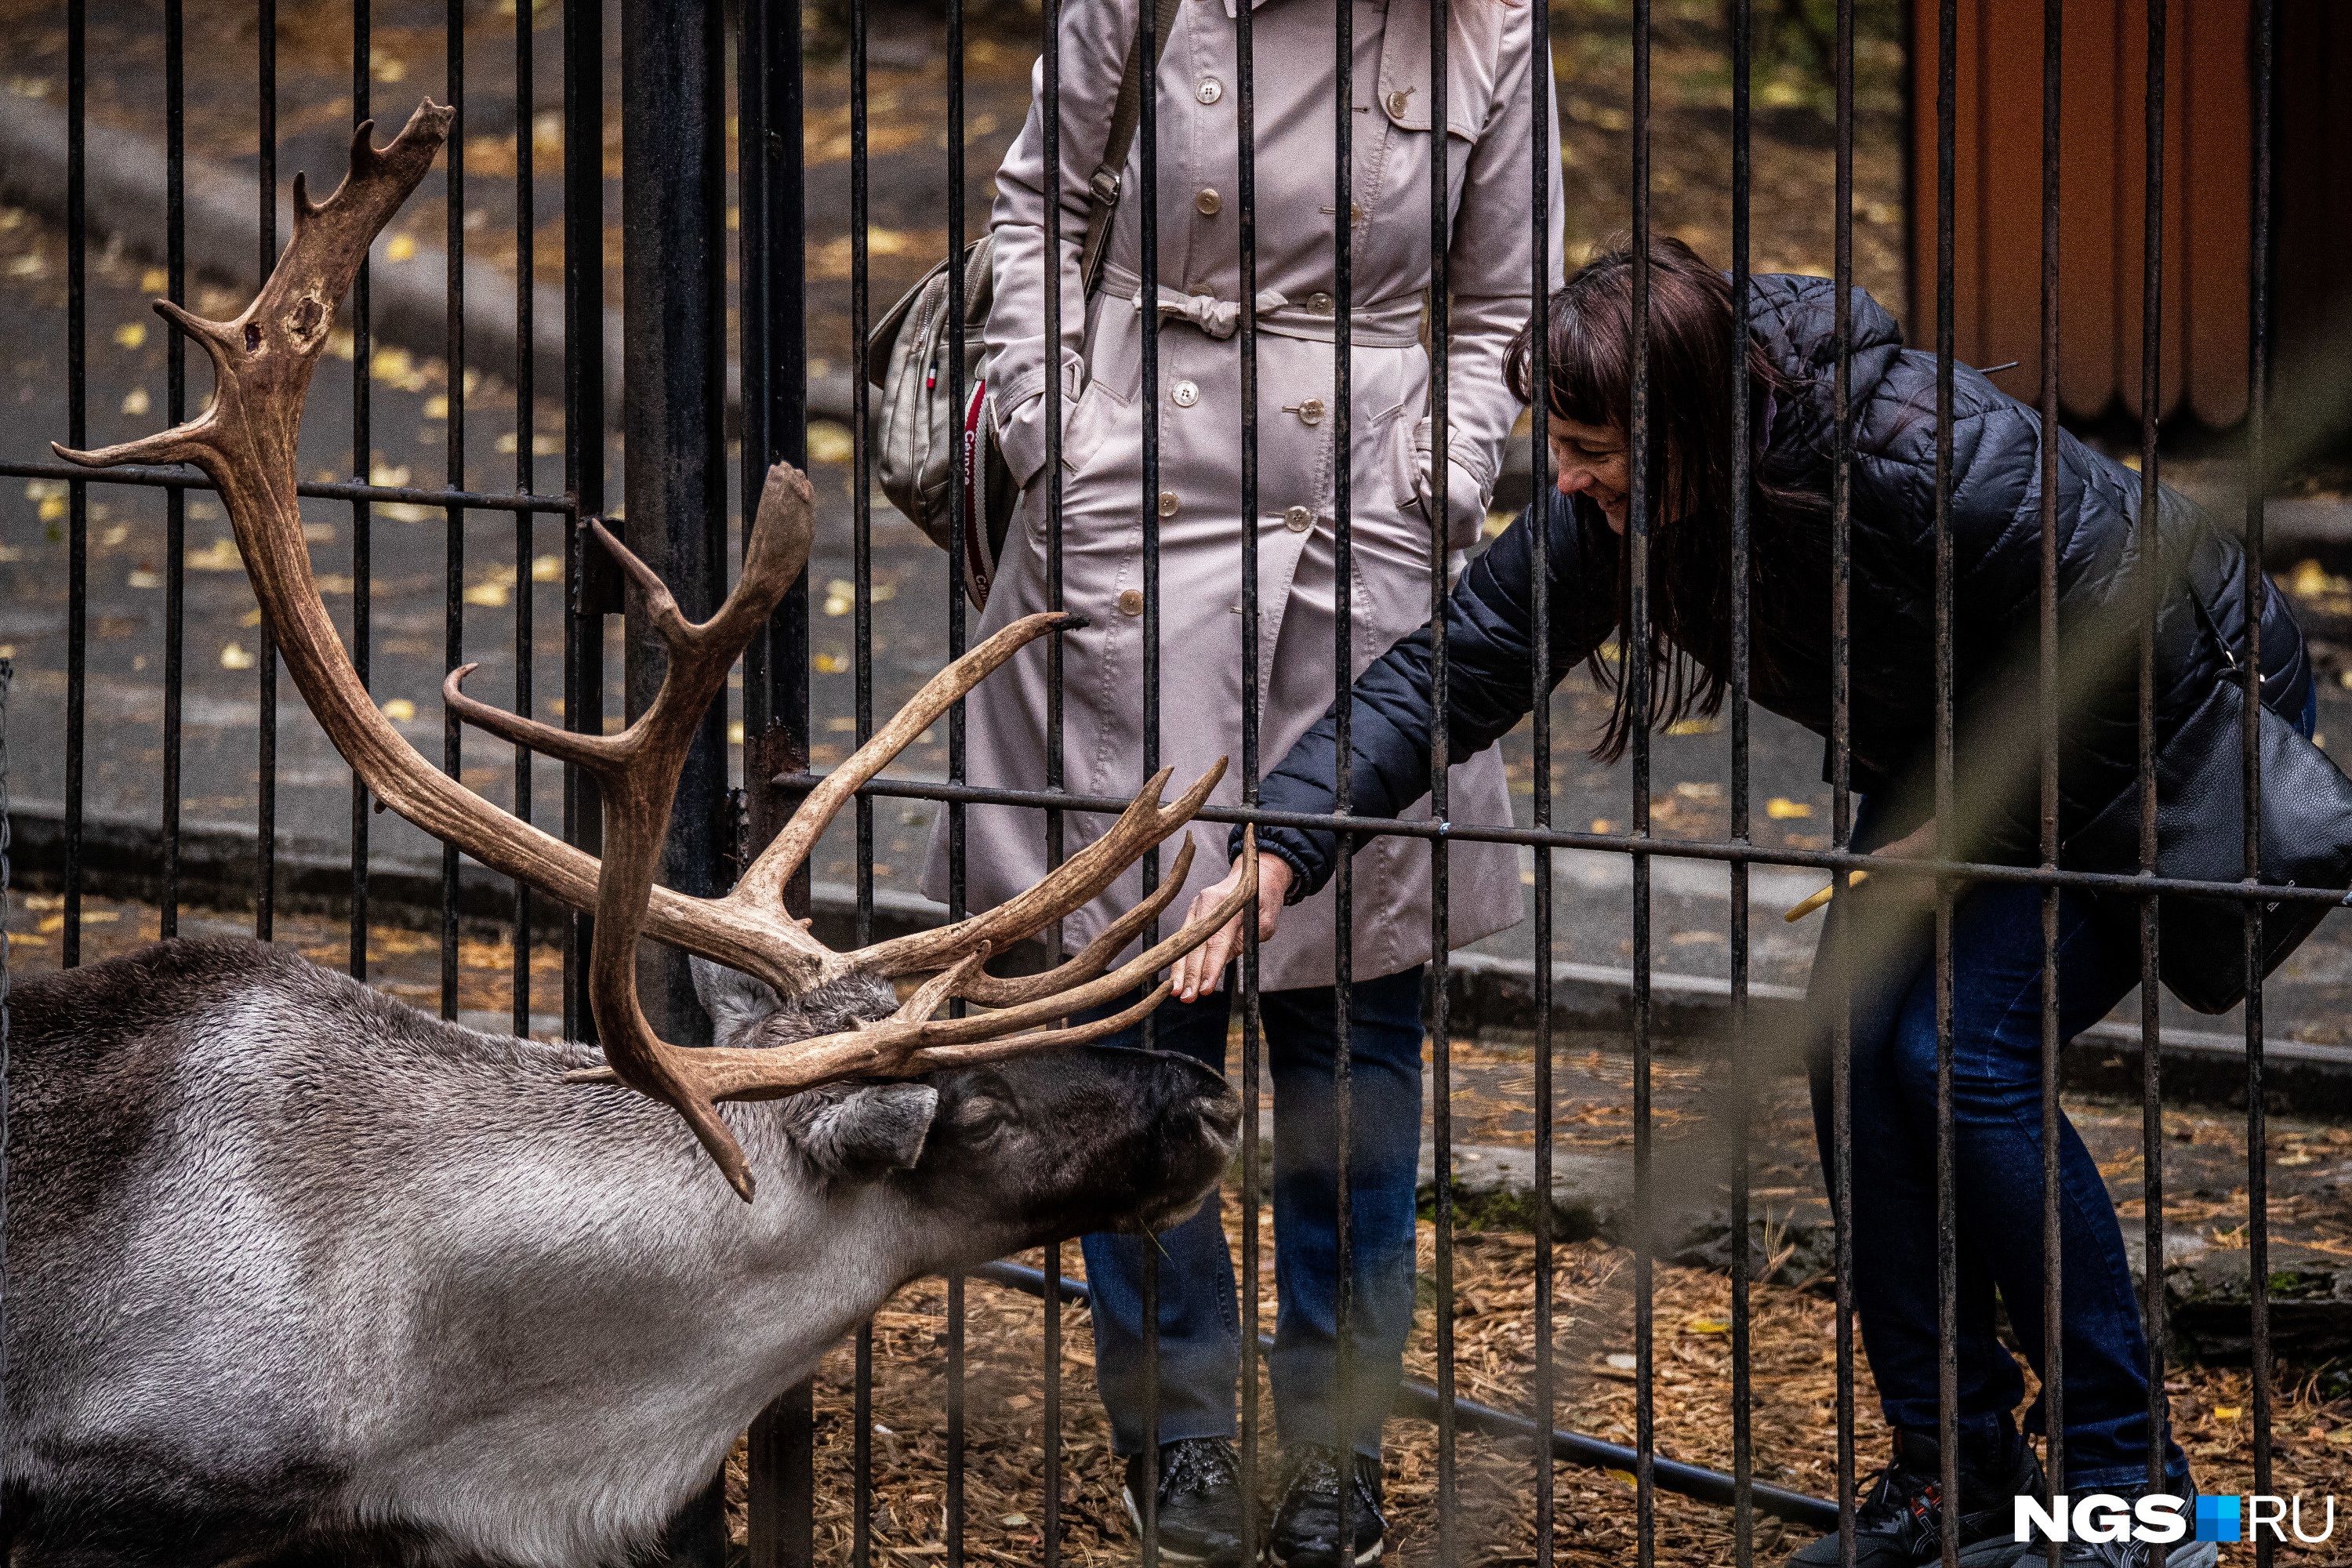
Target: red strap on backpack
[[977, 567]]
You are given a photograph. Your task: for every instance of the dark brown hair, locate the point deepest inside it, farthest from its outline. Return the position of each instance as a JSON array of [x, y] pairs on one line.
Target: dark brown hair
[[1588, 341]]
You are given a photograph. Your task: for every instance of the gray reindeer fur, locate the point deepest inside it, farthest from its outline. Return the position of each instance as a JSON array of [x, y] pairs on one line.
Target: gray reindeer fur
[[297, 1274]]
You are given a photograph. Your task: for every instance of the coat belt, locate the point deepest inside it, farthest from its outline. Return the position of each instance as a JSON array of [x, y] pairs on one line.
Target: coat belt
[[1380, 324]]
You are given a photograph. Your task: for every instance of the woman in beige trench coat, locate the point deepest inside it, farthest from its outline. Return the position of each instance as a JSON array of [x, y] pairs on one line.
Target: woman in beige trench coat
[[1489, 116]]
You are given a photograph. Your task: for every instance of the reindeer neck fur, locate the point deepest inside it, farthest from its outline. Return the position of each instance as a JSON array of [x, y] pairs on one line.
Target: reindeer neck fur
[[549, 1311]]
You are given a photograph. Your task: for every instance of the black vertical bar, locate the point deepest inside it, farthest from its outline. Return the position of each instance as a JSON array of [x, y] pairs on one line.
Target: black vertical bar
[[673, 93], [265, 861], [672, 174], [77, 492], [1148, 215], [363, 552], [1545, 148], [583, 455], [781, 1464], [526, 472], [958, 379], [1050, 21], [1440, 921], [775, 359], [861, 1481], [175, 500], [1343, 923], [1636, 672], [2152, 1302], [1252, 1038], [2053, 1372], [1842, 775], [1947, 1366], [2257, 586], [1743, 1462], [861, 525], [453, 557]]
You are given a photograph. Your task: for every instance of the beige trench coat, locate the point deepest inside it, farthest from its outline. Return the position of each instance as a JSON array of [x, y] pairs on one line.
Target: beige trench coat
[[1489, 121]]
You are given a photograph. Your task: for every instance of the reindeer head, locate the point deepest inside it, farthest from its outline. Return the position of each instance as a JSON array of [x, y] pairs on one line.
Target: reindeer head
[[244, 443]]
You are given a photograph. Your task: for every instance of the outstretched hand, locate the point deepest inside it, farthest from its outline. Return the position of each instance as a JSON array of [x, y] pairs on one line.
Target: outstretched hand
[[1202, 969]]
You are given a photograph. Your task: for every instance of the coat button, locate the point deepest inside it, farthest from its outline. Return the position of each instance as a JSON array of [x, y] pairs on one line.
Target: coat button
[[1131, 603], [1209, 201], [1311, 411], [1319, 303], [1297, 519], [1209, 90], [1185, 395], [1168, 503], [1397, 101]]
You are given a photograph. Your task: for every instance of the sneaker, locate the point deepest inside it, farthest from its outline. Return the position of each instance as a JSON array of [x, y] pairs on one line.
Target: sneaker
[[1201, 1503], [1305, 1532], [2133, 1553], [1900, 1521]]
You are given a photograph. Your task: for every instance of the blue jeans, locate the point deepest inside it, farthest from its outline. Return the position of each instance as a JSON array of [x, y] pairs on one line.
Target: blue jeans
[[1997, 1167], [1200, 1328]]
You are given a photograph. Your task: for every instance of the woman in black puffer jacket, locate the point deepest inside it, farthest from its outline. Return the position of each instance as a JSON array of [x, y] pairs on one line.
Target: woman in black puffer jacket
[[1996, 530]]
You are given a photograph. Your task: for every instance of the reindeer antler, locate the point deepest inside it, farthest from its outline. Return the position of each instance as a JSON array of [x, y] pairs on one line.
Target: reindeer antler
[[244, 443]]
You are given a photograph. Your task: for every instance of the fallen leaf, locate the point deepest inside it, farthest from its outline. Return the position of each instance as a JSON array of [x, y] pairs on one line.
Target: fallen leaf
[[735, 738], [1780, 808], [142, 577], [437, 406], [402, 248], [134, 334], [135, 400], [829, 442], [154, 280], [220, 555], [490, 596], [233, 656], [547, 568], [400, 711]]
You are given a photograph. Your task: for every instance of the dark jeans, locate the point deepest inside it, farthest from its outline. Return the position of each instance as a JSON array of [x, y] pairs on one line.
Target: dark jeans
[[1199, 1332], [1997, 1166]]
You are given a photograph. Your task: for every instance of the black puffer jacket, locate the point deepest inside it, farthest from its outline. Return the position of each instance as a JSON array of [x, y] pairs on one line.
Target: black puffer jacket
[[1997, 549]]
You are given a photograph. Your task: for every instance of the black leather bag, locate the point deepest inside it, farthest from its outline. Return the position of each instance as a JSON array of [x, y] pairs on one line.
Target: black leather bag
[[2306, 824]]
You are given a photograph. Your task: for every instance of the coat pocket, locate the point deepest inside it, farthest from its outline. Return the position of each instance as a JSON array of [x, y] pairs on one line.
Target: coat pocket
[[1095, 417]]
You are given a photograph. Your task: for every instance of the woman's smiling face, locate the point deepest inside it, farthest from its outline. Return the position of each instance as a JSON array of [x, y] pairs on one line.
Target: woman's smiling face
[[1593, 459]]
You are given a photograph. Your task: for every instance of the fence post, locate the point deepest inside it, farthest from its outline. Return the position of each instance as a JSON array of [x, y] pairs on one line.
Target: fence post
[[674, 352], [780, 1504]]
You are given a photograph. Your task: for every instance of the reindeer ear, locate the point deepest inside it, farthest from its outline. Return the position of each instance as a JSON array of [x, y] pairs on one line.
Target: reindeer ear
[[871, 1131], [734, 1000]]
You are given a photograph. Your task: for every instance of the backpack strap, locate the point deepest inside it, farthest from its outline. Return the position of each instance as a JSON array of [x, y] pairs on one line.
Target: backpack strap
[[1102, 199]]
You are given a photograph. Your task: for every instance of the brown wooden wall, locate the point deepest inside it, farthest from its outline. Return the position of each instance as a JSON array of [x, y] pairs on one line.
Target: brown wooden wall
[[2206, 197]]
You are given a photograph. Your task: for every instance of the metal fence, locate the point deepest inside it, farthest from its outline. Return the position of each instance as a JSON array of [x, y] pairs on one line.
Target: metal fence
[[674, 207]]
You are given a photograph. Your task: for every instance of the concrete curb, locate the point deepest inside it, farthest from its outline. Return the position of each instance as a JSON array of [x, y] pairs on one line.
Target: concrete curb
[[1692, 1015], [125, 200]]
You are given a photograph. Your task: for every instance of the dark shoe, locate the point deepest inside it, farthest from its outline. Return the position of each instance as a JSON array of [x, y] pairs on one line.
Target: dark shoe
[[2185, 1553], [1305, 1532], [1900, 1521], [1201, 1502]]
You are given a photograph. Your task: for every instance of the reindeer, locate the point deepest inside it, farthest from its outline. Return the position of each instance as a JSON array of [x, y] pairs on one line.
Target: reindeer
[[298, 1274]]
